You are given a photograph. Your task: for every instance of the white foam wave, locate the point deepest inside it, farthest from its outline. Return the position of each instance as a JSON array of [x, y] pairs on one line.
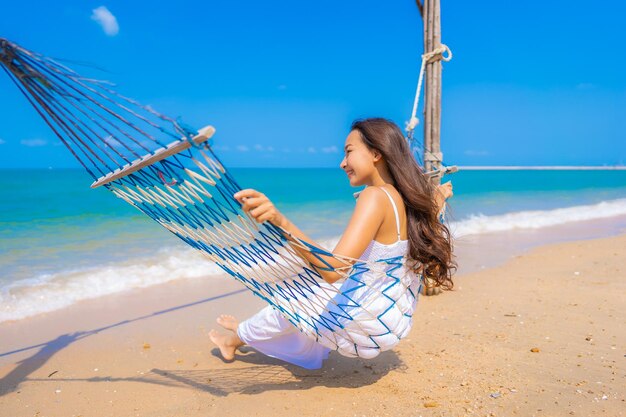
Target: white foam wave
[[45, 293], [536, 219], [49, 292]]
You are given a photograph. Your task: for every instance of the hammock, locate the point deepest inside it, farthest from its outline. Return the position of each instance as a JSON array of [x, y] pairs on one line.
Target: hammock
[[170, 172]]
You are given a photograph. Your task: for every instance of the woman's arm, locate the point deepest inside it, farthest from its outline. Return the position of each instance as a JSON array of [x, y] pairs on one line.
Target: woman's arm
[[364, 224]]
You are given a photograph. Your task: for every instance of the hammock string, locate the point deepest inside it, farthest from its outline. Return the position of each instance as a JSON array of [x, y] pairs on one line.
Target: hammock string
[[185, 188]]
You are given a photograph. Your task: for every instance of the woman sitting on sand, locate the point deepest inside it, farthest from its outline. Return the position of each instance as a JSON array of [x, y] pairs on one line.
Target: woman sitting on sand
[[399, 206]]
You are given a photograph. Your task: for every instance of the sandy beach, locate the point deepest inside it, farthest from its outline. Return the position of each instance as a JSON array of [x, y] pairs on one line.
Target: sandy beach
[[542, 334], [140, 150]]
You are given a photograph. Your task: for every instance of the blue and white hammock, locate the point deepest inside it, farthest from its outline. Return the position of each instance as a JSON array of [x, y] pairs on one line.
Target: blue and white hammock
[[171, 173]]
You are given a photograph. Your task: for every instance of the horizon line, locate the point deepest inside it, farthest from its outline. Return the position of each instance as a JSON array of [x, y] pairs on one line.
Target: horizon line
[[542, 167], [460, 167]]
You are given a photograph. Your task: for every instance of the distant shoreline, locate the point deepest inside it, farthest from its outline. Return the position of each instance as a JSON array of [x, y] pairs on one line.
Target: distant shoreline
[[462, 167], [542, 168]]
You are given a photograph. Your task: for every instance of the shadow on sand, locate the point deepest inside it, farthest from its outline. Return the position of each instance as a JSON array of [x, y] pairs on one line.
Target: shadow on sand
[[254, 373], [46, 350], [251, 373]]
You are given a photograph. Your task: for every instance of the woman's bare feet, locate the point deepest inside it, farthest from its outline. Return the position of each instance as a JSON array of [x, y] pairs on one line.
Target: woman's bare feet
[[227, 343], [228, 322]]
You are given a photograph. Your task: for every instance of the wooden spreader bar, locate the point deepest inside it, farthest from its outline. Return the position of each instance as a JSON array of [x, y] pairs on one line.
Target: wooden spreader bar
[[203, 135]]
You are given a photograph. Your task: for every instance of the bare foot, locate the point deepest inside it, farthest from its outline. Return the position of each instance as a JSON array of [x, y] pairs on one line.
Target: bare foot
[[228, 322], [227, 343]]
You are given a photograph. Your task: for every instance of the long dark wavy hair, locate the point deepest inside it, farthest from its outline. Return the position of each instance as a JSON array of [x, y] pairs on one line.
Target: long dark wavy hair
[[430, 242]]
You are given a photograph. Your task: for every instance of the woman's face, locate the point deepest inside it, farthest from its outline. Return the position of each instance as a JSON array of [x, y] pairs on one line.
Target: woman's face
[[358, 161]]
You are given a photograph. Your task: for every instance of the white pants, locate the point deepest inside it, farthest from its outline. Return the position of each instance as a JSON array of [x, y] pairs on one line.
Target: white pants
[[273, 335]]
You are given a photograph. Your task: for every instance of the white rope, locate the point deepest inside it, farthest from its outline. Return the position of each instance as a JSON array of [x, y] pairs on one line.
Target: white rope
[[426, 58]]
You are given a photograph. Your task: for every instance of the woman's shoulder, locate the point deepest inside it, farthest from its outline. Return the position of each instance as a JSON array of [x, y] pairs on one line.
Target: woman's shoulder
[[372, 195], [371, 204], [380, 195], [373, 192]]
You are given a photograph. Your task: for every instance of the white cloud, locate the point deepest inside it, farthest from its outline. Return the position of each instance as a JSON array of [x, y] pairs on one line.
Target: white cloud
[[260, 148], [472, 152], [330, 149], [242, 148], [33, 142], [311, 149], [2, 142], [150, 108], [105, 18], [112, 142]]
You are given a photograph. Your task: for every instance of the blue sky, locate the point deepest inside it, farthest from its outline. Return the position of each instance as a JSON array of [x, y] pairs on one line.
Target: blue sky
[[282, 81]]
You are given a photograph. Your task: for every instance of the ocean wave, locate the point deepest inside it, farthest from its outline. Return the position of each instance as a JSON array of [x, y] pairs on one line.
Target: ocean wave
[[45, 293], [48, 292], [27, 297], [537, 219]]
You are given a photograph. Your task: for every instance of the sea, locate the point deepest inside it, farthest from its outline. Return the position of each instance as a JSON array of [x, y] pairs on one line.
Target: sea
[[62, 242]]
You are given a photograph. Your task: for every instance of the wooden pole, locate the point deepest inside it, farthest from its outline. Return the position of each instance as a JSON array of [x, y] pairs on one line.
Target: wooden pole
[[428, 46], [432, 89]]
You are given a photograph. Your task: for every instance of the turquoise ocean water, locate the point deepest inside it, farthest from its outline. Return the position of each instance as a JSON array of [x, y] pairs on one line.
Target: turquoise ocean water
[[61, 242]]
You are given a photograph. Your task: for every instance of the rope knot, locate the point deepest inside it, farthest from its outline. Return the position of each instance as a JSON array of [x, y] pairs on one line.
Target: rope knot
[[437, 54], [412, 124]]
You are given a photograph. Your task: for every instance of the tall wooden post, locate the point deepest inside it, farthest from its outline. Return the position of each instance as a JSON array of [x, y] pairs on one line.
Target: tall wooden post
[[431, 15]]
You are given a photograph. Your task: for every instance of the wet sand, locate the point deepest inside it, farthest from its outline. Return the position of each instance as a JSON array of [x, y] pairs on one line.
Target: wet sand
[[543, 334]]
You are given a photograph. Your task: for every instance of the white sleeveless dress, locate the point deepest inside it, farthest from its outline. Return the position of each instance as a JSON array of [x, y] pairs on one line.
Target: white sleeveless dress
[[384, 315]]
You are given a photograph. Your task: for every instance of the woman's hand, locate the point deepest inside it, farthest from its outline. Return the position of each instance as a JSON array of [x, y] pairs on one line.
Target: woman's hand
[[259, 206], [442, 193]]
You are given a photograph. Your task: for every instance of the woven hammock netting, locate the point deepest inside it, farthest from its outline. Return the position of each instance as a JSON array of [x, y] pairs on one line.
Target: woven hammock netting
[[170, 172]]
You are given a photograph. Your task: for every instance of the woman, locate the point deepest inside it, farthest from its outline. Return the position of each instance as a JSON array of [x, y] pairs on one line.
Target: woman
[[395, 215]]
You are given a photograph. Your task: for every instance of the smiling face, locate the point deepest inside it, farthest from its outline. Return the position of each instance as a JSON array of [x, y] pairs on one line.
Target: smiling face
[[359, 160]]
